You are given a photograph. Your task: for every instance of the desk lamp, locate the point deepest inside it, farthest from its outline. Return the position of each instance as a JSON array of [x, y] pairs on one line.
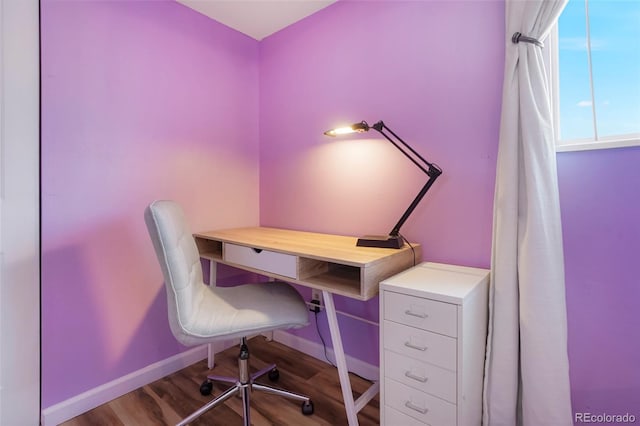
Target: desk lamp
[[394, 239]]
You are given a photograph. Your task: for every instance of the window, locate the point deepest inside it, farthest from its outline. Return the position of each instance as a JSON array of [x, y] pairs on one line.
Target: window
[[595, 74]]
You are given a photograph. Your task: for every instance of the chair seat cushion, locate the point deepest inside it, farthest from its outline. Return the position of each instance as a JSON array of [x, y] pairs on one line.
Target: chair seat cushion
[[231, 312]]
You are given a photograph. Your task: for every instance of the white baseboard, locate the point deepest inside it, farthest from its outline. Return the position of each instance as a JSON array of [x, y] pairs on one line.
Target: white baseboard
[[316, 350], [102, 394]]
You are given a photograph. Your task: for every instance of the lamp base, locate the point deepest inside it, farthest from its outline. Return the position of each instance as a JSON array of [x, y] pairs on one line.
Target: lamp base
[[382, 241]]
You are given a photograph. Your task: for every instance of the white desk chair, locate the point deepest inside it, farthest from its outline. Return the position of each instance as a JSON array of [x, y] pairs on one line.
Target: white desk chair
[[200, 314]]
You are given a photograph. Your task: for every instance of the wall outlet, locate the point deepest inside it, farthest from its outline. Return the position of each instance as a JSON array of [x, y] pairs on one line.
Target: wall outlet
[[315, 305]]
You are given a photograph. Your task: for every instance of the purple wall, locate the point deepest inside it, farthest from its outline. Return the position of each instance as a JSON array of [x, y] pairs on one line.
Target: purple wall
[[601, 221], [140, 100], [409, 64], [136, 96]]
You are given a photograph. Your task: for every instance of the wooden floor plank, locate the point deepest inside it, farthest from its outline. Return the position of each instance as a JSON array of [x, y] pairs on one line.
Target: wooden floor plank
[[166, 401], [99, 416]]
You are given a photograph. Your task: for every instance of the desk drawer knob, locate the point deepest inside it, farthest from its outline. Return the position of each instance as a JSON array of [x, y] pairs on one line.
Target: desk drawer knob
[[415, 377], [414, 407], [416, 314], [412, 346]]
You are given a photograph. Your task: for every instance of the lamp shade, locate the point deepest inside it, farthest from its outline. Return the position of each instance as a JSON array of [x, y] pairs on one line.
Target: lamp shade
[[354, 128]]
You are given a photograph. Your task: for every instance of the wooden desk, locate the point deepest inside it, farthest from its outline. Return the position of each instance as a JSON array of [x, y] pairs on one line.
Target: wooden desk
[[331, 263]]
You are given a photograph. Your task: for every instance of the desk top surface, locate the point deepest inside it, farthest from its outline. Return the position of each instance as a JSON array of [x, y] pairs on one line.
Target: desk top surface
[[327, 247]]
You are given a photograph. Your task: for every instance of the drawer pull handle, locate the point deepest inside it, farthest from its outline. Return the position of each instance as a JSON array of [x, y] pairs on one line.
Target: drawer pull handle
[[412, 346], [415, 314], [414, 407], [410, 375], [257, 250]]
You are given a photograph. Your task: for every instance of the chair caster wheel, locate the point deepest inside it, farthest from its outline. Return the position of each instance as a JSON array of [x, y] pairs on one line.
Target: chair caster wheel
[[307, 408], [274, 375], [206, 387]]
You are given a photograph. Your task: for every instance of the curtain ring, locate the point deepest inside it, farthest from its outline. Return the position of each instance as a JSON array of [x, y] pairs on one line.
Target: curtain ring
[[518, 37]]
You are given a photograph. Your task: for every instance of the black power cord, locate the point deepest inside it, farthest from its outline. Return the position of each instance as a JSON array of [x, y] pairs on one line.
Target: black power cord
[[413, 250], [324, 346]]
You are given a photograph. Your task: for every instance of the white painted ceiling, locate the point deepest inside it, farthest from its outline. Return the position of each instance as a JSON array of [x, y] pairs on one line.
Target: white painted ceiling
[[257, 18]]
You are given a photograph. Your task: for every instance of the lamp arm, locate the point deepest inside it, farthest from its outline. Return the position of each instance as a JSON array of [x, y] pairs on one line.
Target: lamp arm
[[432, 170], [380, 127]]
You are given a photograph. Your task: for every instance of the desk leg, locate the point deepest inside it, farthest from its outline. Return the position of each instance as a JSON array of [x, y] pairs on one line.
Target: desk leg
[[341, 362], [211, 350]]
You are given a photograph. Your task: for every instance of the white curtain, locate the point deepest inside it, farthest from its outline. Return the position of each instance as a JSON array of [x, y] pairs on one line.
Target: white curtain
[[527, 367]]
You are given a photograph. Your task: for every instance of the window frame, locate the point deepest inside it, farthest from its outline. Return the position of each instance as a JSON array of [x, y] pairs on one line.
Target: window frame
[[551, 56]]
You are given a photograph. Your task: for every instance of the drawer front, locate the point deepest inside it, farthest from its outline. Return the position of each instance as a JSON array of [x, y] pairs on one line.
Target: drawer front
[[422, 376], [439, 317], [393, 417], [419, 405], [264, 260], [421, 345]]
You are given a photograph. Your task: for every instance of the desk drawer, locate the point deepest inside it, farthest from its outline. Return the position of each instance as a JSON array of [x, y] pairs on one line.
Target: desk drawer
[[421, 345], [419, 405], [263, 260], [439, 317]]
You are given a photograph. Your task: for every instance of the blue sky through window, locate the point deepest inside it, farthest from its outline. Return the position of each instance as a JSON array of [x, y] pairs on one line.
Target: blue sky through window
[[615, 55]]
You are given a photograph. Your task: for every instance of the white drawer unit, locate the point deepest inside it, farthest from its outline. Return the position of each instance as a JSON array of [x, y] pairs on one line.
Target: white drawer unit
[[432, 345]]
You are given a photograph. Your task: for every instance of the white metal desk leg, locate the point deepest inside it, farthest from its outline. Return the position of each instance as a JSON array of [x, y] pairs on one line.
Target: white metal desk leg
[[213, 272], [341, 362]]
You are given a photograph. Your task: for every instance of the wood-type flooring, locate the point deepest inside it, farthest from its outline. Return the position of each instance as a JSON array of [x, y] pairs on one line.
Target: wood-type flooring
[[168, 400]]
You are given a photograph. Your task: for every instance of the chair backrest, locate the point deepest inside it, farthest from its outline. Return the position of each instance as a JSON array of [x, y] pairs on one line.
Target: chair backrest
[[180, 262]]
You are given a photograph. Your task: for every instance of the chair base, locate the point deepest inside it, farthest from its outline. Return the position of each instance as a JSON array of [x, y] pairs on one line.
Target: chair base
[[243, 386]]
